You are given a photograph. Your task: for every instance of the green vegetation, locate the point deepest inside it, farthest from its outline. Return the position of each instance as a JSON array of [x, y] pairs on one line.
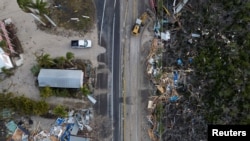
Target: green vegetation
[[61, 62], [159, 114], [85, 90], [65, 9], [46, 92], [23, 105], [70, 56], [24, 4], [7, 72], [62, 13], [39, 5], [45, 61], [2, 43], [60, 111], [35, 70], [63, 92], [225, 67]]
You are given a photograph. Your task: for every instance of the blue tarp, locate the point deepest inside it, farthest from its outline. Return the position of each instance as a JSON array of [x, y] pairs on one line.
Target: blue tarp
[[179, 62], [59, 121], [173, 98], [66, 134]]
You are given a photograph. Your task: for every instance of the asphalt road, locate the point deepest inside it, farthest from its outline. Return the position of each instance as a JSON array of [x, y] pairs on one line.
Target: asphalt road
[[108, 16], [124, 105], [133, 73]]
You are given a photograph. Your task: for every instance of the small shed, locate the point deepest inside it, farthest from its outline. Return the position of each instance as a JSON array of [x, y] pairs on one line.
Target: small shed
[[60, 78]]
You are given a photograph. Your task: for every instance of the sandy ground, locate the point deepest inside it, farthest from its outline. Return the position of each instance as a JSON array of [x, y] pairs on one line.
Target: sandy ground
[[34, 40]]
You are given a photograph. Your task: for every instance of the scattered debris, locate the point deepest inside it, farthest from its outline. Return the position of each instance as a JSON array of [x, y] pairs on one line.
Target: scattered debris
[[75, 19], [179, 6], [91, 99], [85, 16], [63, 129], [52, 22], [195, 35], [169, 68], [38, 19]]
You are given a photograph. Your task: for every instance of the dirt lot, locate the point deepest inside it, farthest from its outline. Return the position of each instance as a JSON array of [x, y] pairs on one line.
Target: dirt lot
[[34, 40]]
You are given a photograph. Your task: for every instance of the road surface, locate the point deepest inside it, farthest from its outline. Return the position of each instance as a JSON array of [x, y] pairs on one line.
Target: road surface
[[125, 69], [133, 74], [108, 15]]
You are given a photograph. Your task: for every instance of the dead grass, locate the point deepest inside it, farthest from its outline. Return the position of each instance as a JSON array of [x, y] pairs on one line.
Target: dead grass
[[62, 11]]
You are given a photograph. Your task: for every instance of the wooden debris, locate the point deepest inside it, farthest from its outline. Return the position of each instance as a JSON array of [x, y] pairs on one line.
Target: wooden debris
[[161, 89]]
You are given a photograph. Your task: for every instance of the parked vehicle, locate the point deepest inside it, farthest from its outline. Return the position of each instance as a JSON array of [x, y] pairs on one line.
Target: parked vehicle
[[81, 43]]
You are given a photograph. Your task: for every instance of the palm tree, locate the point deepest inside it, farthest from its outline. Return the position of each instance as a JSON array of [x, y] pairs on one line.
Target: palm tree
[[60, 61], [69, 57], [35, 70], [45, 60], [24, 4], [40, 5]]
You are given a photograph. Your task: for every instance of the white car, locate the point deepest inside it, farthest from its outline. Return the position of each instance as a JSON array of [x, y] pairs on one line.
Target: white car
[[81, 43]]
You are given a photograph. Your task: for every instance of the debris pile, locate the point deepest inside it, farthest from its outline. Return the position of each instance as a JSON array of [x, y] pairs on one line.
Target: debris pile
[[75, 126], [173, 110]]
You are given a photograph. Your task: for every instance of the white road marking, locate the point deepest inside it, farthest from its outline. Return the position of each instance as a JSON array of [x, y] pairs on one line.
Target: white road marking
[[102, 21], [112, 102], [114, 3]]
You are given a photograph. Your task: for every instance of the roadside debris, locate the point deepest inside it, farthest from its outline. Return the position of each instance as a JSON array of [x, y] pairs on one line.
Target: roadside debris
[[76, 125], [169, 68], [179, 6], [91, 99]]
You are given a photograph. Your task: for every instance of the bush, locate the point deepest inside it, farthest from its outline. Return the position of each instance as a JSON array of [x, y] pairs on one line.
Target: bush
[[60, 111], [23, 105], [35, 70]]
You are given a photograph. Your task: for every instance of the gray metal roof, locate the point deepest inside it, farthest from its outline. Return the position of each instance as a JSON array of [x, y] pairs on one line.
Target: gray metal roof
[[75, 138], [60, 78]]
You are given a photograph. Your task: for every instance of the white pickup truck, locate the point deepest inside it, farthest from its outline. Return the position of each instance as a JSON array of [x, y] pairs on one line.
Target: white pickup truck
[[81, 43]]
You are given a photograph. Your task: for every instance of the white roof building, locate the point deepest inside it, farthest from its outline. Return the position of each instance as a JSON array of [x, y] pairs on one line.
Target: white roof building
[[60, 78], [5, 60]]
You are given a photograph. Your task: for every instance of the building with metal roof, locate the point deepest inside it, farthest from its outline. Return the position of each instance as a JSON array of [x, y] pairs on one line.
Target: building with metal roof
[[5, 60], [60, 78]]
